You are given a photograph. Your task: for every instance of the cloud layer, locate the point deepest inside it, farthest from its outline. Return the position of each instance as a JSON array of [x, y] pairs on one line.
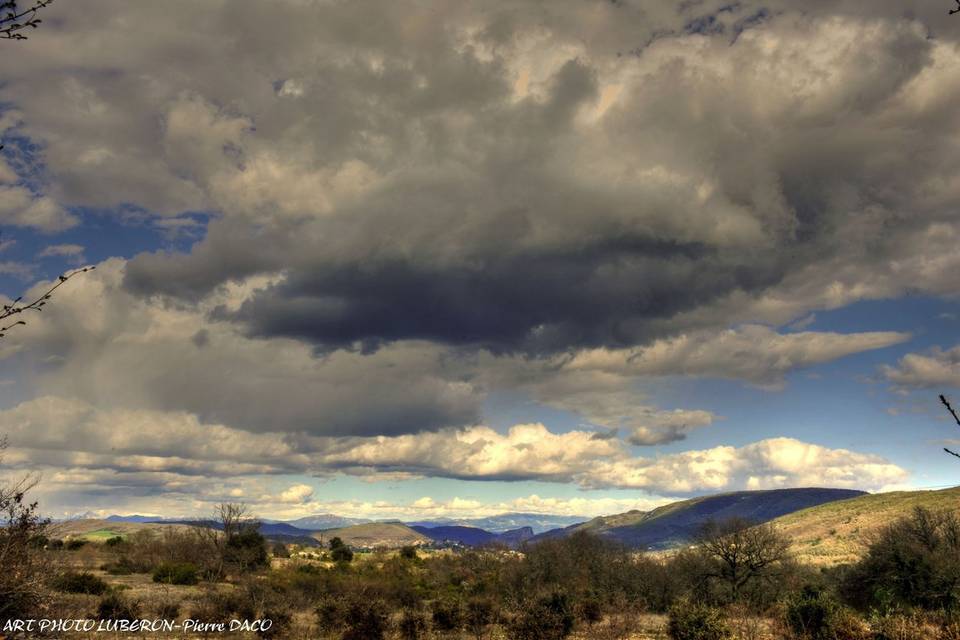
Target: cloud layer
[[412, 214]]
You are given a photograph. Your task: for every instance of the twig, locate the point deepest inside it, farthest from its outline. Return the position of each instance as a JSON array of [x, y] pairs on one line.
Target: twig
[[943, 398], [37, 305], [11, 18], [957, 10]]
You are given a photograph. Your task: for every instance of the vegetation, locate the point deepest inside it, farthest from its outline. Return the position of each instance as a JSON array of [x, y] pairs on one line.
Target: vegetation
[[181, 573], [738, 581], [79, 582], [695, 621]]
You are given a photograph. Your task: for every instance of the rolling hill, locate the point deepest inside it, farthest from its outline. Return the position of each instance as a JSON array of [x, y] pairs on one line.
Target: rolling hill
[[473, 536], [676, 523], [839, 532], [374, 534], [505, 522]]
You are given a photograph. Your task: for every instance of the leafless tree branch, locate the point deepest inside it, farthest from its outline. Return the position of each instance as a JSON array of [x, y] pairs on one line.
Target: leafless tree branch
[[13, 20], [15, 307]]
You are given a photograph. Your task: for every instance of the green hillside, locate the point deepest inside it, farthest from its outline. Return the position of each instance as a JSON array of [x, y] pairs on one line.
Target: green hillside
[[374, 534], [838, 532], [676, 523]]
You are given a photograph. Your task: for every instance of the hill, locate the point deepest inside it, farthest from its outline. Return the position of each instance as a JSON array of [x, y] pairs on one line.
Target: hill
[[96, 529], [374, 534], [839, 532], [538, 522], [676, 523], [474, 536], [323, 521]]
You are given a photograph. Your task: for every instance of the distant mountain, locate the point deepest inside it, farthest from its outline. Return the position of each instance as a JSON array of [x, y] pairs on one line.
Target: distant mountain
[[502, 523], [320, 521], [471, 536], [374, 534], [676, 523], [838, 532], [134, 518], [516, 537]]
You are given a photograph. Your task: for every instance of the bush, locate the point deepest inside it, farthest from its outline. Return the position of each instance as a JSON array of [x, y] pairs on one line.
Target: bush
[[280, 550], [549, 618], [55, 544], [281, 619], [75, 543], [413, 624], [181, 573], [168, 610], [114, 541], [408, 552], [479, 616], [331, 613], [447, 614], [341, 553], [115, 607], [814, 615], [246, 550], [79, 582], [690, 621], [366, 618], [899, 627], [914, 562]]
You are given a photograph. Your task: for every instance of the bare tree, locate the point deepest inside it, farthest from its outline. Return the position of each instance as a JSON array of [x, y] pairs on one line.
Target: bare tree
[[234, 537], [18, 307], [21, 537], [742, 551], [946, 402], [14, 19]]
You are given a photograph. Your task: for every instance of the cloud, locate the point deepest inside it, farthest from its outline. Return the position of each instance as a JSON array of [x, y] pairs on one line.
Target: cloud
[[171, 448], [935, 368], [531, 452], [121, 352], [751, 352], [661, 178], [298, 493], [72, 252]]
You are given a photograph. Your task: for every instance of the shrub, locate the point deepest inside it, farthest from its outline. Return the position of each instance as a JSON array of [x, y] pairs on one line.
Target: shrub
[[114, 541], [281, 619], [341, 554], [79, 582], [694, 621], [914, 562], [899, 627], [479, 616], [246, 550], [75, 543], [366, 618], [280, 550], [814, 615], [408, 552], [181, 573], [331, 613], [115, 607], [413, 624], [447, 614], [549, 618], [55, 544], [168, 610], [590, 609]]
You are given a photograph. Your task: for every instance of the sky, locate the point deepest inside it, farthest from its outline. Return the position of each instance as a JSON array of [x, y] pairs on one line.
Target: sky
[[428, 259]]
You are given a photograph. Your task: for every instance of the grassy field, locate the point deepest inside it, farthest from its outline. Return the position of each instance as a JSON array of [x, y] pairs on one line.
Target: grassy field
[[839, 532]]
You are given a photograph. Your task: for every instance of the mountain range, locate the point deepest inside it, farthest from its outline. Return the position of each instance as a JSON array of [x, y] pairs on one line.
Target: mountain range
[[661, 528], [676, 523]]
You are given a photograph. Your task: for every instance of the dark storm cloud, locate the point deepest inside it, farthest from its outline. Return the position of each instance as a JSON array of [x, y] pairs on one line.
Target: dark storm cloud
[[536, 302]]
